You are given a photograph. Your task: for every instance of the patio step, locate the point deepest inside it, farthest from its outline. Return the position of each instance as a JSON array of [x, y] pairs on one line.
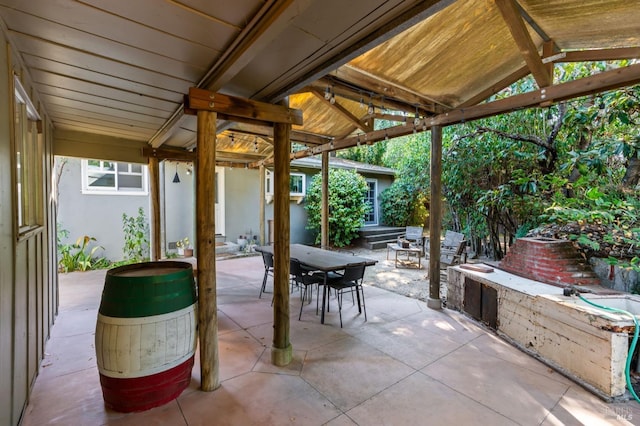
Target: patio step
[[378, 237]]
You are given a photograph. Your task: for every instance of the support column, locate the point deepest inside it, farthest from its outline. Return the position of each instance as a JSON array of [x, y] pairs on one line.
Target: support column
[[324, 212], [281, 350], [435, 218], [262, 204], [154, 183], [206, 245]]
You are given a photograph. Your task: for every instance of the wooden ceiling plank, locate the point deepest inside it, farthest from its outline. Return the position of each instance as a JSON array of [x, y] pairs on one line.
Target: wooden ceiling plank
[[201, 99], [342, 111], [512, 17]]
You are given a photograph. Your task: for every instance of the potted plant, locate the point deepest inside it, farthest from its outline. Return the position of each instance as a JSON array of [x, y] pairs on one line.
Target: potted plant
[[184, 247], [242, 242]]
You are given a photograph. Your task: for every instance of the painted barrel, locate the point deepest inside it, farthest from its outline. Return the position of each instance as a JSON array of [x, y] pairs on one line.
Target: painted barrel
[[146, 334]]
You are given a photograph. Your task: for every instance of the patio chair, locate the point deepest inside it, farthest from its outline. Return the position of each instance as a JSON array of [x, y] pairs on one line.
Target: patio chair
[[267, 259], [414, 234], [305, 280], [452, 249], [351, 280]]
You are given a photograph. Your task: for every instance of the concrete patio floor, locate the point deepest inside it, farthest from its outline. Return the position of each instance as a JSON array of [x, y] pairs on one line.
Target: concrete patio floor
[[407, 365]]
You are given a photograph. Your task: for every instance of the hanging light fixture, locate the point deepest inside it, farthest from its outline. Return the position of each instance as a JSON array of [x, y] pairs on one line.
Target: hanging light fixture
[[255, 144], [327, 93], [176, 178], [233, 140]]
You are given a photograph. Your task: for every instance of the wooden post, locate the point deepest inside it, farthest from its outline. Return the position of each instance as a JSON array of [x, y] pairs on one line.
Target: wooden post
[[435, 218], [154, 183], [206, 231], [262, 204], [324, 212], [281, 349]]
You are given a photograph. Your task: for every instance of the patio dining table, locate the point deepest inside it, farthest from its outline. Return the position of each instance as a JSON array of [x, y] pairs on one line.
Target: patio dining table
[[321, 260]]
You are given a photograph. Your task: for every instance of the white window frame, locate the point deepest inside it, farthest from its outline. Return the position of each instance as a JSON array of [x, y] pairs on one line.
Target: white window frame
[[86, 189], [268, 183], [296, 196]]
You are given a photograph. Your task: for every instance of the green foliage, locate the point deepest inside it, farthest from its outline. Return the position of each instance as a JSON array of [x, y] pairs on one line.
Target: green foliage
[[136, 237], [406, 201], [79, 256], [347, 205]]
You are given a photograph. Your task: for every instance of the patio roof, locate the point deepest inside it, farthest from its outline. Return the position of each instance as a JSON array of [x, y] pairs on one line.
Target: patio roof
[[123, 68]]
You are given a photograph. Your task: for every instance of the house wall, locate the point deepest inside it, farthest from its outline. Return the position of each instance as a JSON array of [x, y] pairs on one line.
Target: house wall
[[298, 215], [28, 280], [95, 215], [242, 202], [179, 202]]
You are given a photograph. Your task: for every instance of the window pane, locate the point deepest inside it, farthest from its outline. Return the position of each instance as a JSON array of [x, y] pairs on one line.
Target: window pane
[[123, 167], [295, 184], [93, 163], [136, 168], [101, 180], [108, 165], [130, 182]]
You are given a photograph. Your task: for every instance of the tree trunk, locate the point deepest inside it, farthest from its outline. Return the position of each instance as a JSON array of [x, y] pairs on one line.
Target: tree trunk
[[632, 175]]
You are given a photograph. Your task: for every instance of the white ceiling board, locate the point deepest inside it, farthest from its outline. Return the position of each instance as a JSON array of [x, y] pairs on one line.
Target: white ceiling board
[[57, 80], [236, 12], [116, 115], [46, 65], [57, 92], [174, 20], [91, 21], [21, 23], [36, 47], [79, 117], [66, 124]]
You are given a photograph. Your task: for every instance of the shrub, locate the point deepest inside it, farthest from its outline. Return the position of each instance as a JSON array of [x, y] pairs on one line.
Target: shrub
[[136, 237], [347, 206], [79, 256]]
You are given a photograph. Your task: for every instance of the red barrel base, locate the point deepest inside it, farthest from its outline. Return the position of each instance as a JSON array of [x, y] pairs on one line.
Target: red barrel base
[[142, 393]]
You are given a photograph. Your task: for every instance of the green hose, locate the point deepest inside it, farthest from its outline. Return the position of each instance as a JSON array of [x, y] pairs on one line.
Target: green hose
[[633, 342]]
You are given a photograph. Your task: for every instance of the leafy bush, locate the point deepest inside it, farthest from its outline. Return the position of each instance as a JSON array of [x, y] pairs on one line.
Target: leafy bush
[[347, 205], [402, 204], [79, 256], [136, 237]]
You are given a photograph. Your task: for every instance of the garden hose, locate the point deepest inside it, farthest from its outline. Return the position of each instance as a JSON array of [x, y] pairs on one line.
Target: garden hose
[[632, 348]]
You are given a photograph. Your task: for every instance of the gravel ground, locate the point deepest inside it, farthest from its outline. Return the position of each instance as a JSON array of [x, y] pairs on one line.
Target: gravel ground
[[408, 281]]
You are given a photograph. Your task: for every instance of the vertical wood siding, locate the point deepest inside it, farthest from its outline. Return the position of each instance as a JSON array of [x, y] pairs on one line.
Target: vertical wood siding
[[28, 276]]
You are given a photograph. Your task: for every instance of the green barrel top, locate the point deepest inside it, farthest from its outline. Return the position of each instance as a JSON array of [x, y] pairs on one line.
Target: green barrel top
[[147, 289]]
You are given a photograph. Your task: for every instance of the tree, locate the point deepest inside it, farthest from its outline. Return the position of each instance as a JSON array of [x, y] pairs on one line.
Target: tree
[[347, 205], [406, 201]]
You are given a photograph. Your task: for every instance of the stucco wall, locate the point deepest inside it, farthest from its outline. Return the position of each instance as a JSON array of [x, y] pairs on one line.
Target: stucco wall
[[179, 202], [95, 215]]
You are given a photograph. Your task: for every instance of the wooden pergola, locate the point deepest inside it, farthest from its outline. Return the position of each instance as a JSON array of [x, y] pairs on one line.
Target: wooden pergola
[[229, 88]]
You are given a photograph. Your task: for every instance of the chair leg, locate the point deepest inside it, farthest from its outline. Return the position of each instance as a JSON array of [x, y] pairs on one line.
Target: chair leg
[[364, 308], [264, 284], [304, 295], [340, 306]]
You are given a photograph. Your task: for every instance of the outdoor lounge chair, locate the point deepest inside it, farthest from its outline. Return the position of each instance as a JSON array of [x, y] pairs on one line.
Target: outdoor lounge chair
[[452, 249]]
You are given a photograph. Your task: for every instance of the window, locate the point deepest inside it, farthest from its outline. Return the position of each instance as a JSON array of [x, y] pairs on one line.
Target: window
[[296, 183], [110, 177], [28, 161]]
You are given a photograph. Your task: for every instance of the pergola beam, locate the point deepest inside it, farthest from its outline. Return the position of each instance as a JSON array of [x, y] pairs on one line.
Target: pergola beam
[[205, 100], [512, 17], [345, 113], [389, 89], [608, 80]]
